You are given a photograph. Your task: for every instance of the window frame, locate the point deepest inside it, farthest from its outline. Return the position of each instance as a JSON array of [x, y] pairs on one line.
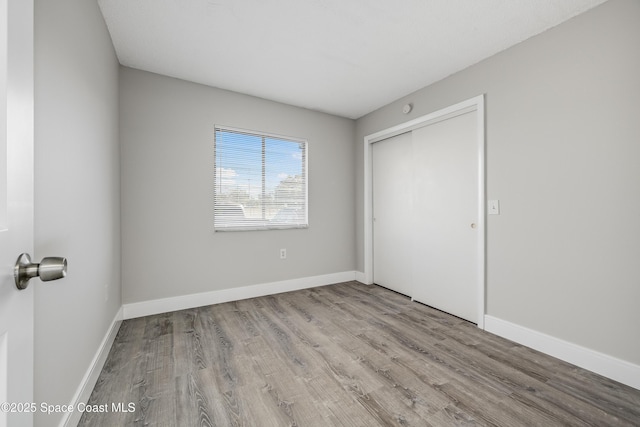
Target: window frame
[[305, 172]]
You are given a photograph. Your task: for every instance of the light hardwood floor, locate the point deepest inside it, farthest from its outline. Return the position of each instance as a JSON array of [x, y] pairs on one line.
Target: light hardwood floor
[[341, 355]]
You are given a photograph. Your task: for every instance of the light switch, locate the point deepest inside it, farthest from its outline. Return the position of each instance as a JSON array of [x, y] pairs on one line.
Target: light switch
[[494, 207]]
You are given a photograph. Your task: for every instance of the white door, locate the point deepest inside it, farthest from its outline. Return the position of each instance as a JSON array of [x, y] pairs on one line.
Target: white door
[[16, 208], [425, 214], [392, 213], [445, 257]]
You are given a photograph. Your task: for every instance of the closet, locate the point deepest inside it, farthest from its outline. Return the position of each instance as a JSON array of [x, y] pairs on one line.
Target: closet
[[425, 199]]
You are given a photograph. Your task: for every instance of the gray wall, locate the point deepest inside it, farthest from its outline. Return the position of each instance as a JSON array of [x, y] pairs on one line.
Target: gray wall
[[77, 203], [169, 247], [563, 158]]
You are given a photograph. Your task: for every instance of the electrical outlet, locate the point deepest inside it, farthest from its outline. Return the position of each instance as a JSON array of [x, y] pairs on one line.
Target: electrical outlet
[[283, 254]]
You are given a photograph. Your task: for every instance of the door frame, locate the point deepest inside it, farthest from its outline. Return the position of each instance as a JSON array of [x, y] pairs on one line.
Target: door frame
[[472, 104]]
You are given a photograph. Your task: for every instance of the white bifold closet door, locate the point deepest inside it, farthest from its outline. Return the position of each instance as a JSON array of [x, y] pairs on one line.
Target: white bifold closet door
[[425, 208]]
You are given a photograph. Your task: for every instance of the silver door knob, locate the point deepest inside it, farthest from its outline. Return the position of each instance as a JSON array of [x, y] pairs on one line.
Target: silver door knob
[[51, 268]]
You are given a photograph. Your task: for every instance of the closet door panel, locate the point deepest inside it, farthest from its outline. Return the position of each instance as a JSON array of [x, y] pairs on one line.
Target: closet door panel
[[445, 200], [393, 213]]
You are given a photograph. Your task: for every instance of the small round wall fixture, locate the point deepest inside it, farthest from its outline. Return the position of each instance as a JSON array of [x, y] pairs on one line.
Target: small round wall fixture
[[407, 108]]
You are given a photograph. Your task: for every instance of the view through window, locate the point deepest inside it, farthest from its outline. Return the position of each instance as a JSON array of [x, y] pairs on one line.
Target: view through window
[[260, 181]]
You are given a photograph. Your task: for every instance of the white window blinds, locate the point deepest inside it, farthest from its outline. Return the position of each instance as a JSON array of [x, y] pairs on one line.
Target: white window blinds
[[260, 181]]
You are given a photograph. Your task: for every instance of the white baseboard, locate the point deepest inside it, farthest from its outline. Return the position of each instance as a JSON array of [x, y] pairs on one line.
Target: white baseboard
[[90, 378], [600, 363], [360, 277], [164, 305]]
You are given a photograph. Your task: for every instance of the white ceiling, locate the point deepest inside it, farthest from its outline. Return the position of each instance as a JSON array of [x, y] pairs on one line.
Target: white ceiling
[[344, 57]]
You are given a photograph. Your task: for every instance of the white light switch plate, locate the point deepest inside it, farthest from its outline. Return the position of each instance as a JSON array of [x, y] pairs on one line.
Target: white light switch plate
[[494, 207]]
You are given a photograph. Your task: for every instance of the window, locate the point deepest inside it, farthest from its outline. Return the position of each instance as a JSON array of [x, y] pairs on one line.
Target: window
[[260, 181]]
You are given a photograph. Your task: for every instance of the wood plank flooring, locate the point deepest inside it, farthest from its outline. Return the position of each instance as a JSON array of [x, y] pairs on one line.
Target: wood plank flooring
[[341, 355]]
